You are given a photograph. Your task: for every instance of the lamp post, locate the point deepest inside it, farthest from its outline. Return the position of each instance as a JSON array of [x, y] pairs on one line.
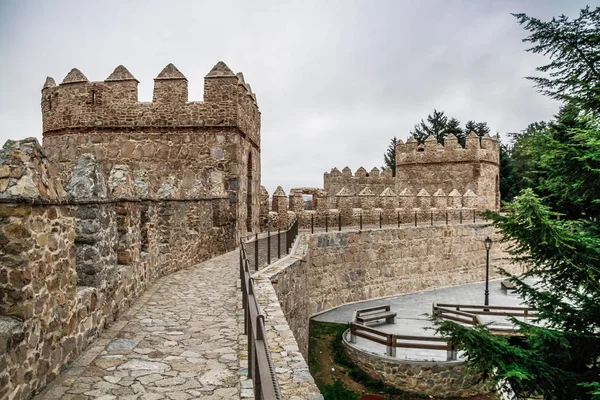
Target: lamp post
[[488, 245]]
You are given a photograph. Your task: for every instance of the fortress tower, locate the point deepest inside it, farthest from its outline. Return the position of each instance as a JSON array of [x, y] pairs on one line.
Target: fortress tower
[[476, 167], [182, 149]]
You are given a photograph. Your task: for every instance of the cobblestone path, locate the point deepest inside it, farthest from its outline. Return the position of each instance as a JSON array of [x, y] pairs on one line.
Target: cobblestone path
[[180, 340]]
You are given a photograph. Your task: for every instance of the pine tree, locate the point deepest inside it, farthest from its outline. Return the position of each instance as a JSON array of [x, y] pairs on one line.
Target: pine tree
[[480, 128], [508, 188], [389, 157], [573, 74], [435, 126], [453, 127], [438, 125], [553, 231]]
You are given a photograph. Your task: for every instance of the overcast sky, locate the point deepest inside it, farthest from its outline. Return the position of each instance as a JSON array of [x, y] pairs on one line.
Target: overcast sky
[[335, 80]]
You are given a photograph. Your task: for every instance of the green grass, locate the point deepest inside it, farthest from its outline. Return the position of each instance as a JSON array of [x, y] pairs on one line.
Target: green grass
[[328, 331]]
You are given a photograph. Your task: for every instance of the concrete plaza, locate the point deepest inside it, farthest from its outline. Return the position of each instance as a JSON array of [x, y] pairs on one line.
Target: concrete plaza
[[413, 312]]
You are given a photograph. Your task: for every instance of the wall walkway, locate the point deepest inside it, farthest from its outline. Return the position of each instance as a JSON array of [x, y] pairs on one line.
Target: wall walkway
[[181, 339]]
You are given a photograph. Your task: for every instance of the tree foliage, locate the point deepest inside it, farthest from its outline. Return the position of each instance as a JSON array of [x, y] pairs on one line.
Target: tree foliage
[[508, 185], [440, 126], [553, 229], [573, 73], [560, 354], [389, 157], [435, 126]]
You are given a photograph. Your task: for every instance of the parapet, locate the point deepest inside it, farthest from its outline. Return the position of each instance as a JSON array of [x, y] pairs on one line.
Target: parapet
[[360, 173], [26, 174], [78, 104], [484, 149]]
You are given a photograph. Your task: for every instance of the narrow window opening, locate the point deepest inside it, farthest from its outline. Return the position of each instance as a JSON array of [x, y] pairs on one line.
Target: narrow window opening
[[93, 97], [49, 104]]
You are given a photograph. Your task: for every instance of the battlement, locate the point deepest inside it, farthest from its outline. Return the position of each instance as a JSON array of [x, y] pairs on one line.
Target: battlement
[[355, 182], [485, 149], [78, 104]]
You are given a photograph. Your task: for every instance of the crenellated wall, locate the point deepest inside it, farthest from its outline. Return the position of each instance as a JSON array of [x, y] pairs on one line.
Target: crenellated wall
[[209, 148], [74, 257], [367, 207], [433, 166], [433, 182], [429, 177], [377, 181]]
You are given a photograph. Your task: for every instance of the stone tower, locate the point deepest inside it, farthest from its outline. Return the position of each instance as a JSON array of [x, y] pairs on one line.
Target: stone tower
[[182, 149], [476, 167]]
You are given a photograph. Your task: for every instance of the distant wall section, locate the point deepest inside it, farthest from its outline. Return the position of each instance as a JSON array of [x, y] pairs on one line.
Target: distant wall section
[[433, 166]]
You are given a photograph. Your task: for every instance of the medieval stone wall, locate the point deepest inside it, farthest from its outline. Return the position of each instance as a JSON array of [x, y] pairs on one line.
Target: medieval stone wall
[[327, 270], [367, 209], [377, 181], [72, 260], [451, 167], [431, 180], [187, 149]]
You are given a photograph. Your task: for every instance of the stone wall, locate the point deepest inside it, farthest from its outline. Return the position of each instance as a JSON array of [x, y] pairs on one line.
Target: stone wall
[[336, 268], [429, 177], [377, 181], [186, 149], [447, 379], [72, 261], [433, 166], [386, 208]]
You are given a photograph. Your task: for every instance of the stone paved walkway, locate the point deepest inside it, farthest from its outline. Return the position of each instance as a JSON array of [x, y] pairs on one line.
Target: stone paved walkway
[[181, 340]]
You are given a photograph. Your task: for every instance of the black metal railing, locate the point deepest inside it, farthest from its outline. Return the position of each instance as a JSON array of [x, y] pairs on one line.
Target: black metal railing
[[264, 248], [385, 219], [260, 364]]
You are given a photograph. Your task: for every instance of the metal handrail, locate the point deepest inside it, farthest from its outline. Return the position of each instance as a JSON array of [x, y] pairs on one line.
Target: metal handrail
[[260, 364], [266, 247], [261, 368]]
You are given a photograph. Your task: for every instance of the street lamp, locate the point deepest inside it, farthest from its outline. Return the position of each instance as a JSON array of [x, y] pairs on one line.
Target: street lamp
[[488, 245]]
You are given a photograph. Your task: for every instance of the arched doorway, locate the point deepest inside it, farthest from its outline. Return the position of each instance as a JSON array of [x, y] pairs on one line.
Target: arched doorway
[[249, 194]]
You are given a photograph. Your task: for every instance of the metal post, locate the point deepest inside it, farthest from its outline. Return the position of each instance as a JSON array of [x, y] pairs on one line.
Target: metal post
[[415, 218], [312, 223], [339, 222], [256, 253], [278, 243], [487, 278], [380, 219], [326, 223], [268, 247]]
